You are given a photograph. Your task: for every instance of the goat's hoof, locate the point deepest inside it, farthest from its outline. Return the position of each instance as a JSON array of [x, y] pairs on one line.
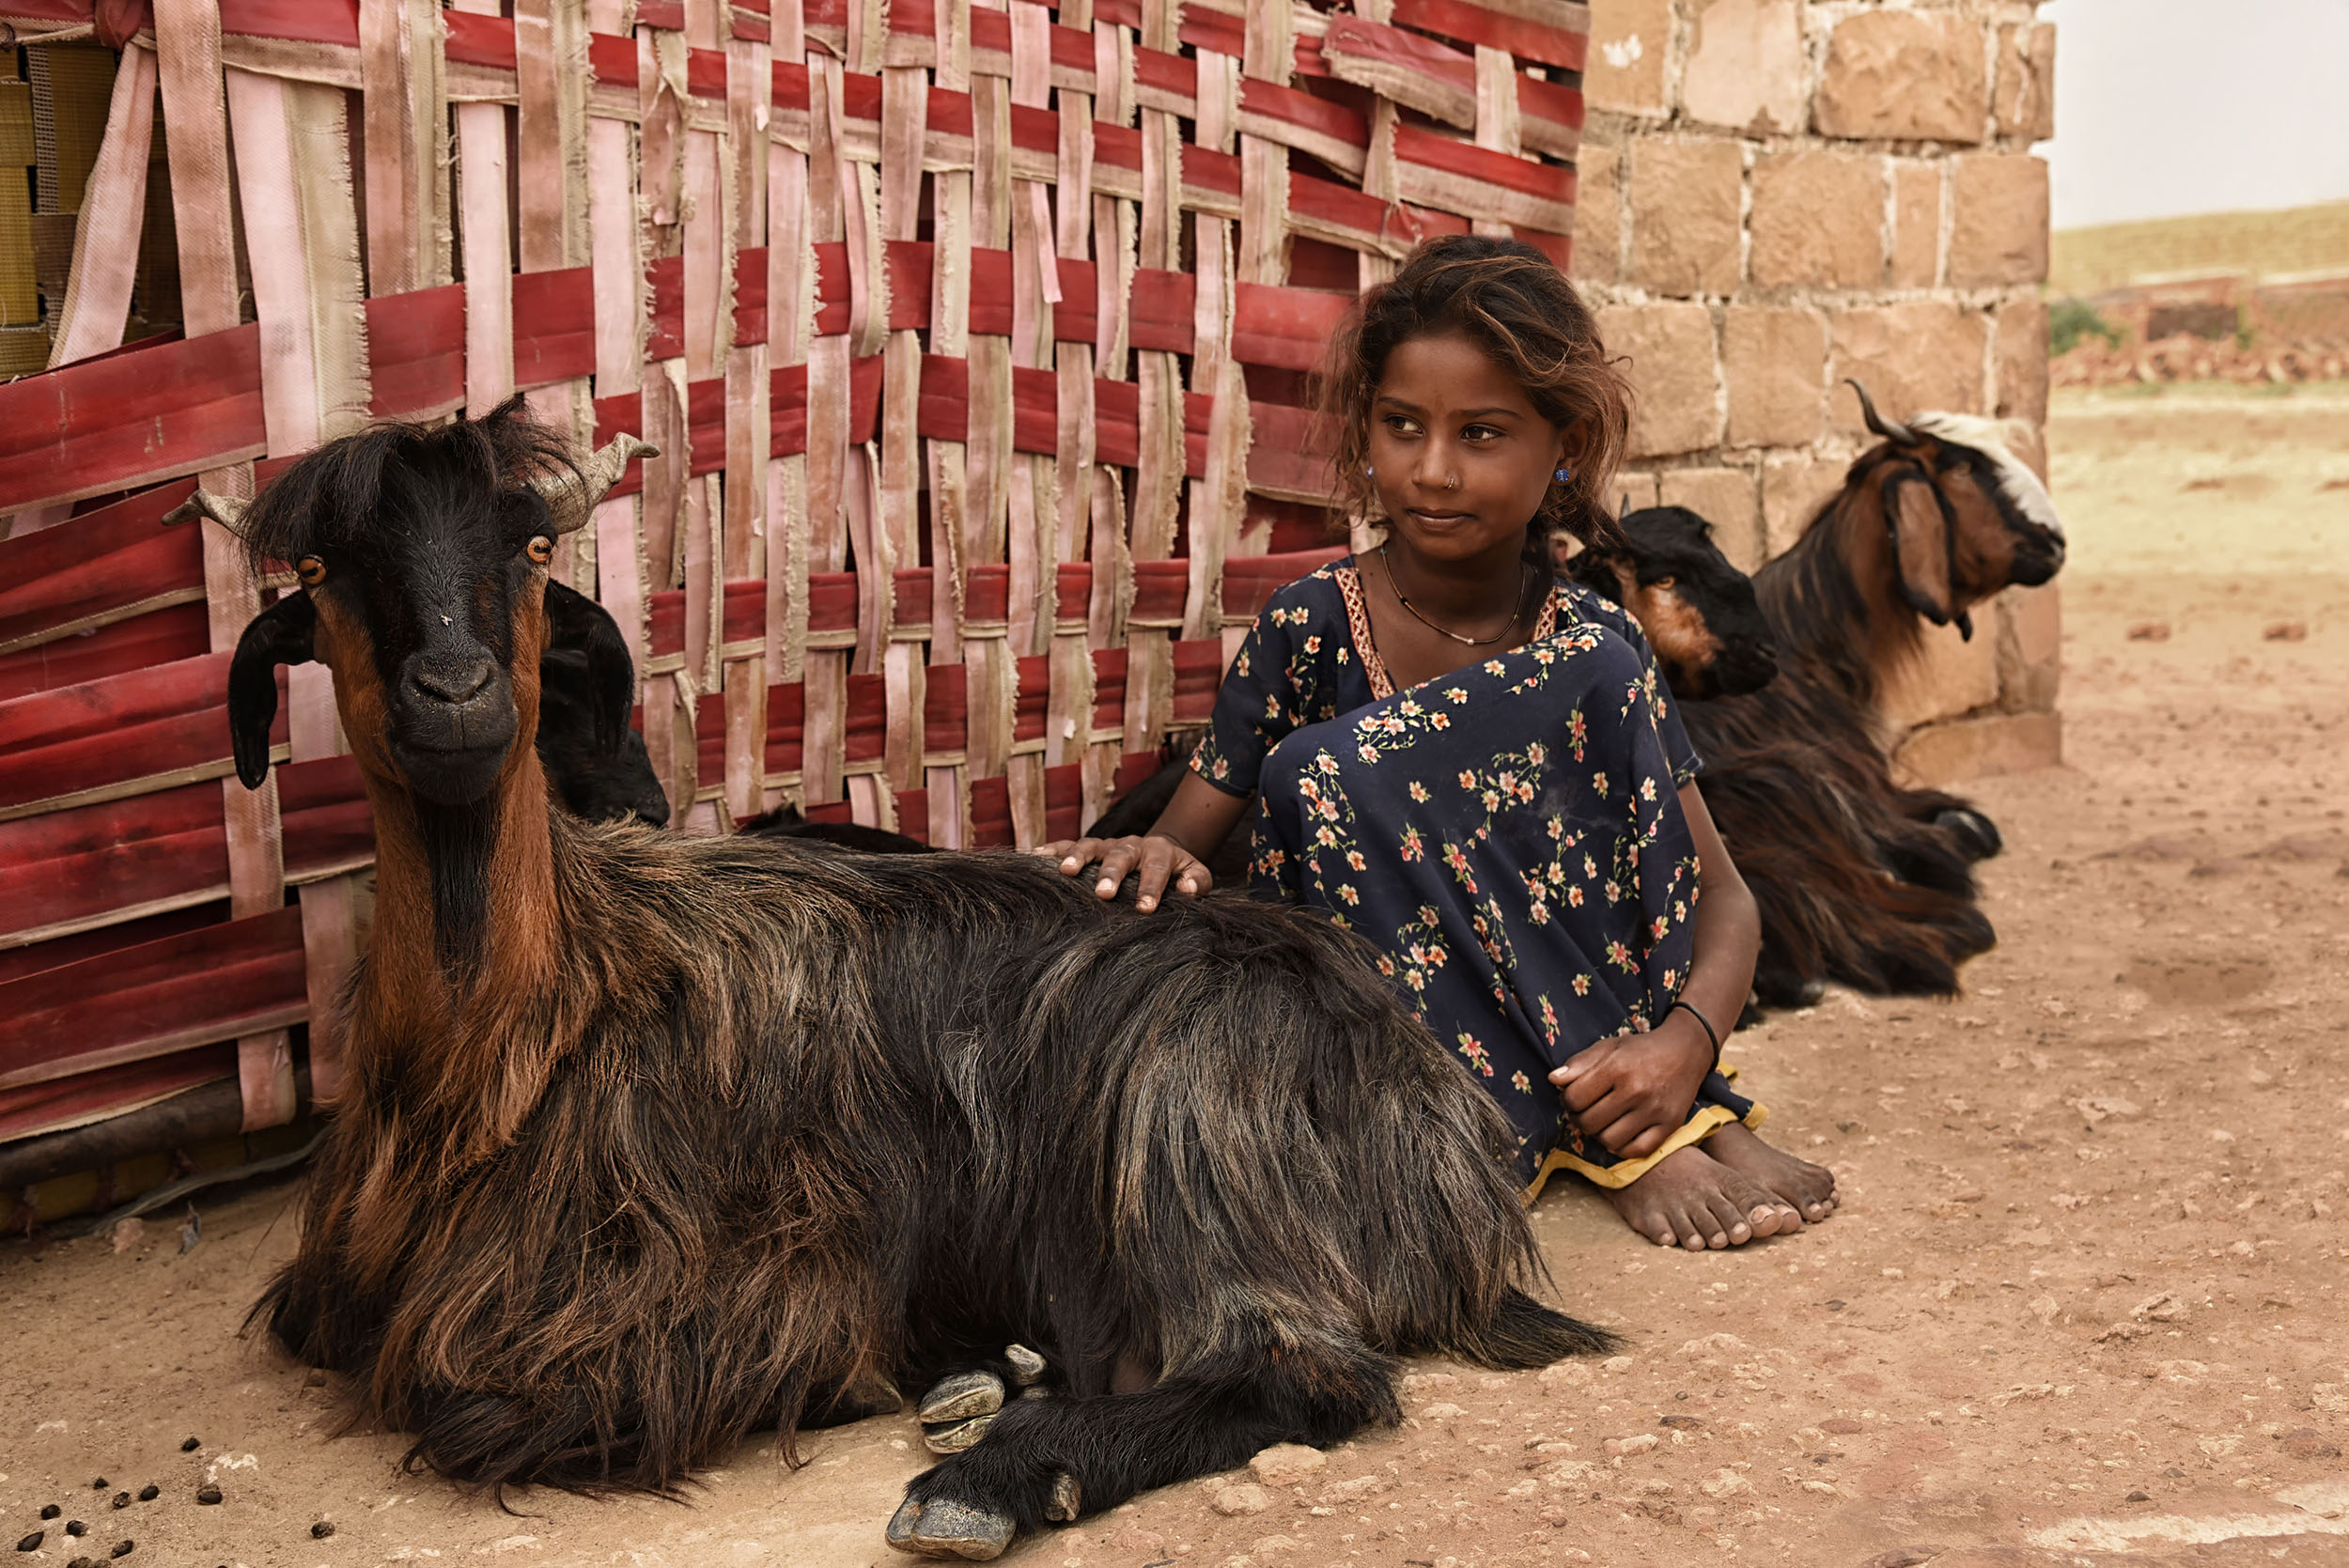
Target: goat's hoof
[[955, 1436], [1977, 836], [944, 1527], [1026, 1365], [962, 1396], [1067, 1500]]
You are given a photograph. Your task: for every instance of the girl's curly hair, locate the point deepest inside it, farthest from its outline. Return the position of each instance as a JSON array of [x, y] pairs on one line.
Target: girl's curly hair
[[1513, 302]]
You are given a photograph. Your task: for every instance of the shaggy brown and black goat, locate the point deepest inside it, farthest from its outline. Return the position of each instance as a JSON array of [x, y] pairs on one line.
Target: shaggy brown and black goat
[[650, 1141], [1859, 880], [1697, 612]]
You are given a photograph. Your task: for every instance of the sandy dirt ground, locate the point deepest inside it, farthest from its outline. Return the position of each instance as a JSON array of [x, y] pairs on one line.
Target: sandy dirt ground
[[2083, 1303]]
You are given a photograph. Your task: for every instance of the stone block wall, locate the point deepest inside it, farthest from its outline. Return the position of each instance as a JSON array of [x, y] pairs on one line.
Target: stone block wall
[[1780, 193]]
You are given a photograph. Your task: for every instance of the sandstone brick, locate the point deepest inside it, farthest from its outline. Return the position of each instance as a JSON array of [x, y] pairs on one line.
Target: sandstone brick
[[1685, 202], [1794, 484], [1818, 218], [1776, 362], [1598, 217], [1963, 749], [2001, 232], [1635, 488], [1903, 74], [1914, 355], [1949, 676], [2022, 351], [1727, 498], [1745, 68], [1630, 43], [1675, 375], [2022, 99], [2031, 649], [1916, 225]]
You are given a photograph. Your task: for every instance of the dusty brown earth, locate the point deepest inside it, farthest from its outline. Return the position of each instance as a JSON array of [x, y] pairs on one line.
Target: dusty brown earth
[[2082, 1304]]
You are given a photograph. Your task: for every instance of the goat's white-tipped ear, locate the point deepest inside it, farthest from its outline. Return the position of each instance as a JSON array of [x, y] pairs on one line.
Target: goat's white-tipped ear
[[227, 510], [572, 505]]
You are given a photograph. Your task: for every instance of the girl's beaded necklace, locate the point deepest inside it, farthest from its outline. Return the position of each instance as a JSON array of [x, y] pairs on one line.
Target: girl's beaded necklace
[[1405, 600]]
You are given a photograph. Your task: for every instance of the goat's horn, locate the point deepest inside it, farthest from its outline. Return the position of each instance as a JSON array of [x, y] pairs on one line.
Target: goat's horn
[[1890, 430], [227, 510], [571, 505]]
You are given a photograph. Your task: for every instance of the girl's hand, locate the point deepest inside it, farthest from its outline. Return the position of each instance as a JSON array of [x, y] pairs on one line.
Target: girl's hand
[[1633, 1091], [1155, 858]]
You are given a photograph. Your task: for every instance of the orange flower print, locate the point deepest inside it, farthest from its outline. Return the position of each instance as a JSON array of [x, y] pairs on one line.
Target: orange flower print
[[1419, 792], [1599, 782], [1581, 985], [1473, 1048], [1523, 1085], [1313, 644], [1620, 955], [1354, 859], [1455, 694], [1414, 848]]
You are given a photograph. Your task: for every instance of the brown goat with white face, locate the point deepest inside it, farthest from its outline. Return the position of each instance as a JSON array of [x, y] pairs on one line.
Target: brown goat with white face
[[1859, 880], [650, 1141]]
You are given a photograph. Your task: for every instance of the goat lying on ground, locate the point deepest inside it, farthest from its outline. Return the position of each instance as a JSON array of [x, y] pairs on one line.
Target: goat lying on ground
[[1859, 880], [649, 1139], [1698, 611]]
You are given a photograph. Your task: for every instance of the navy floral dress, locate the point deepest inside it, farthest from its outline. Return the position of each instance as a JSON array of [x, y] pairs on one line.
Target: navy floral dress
[[1510, 835]]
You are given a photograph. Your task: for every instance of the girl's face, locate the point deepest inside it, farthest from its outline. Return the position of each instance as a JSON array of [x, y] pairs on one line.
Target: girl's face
[[1459, 456]]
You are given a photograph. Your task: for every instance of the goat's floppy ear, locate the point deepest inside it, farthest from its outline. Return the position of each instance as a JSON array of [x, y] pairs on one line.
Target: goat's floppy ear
[[1921, 541], [279, 635], [575, 621]]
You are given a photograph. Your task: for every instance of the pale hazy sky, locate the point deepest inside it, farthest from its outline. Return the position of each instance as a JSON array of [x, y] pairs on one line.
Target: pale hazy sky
[[2168, 107]]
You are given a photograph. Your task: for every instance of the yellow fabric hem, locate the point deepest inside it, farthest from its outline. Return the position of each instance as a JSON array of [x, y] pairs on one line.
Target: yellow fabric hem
[[1708, 1120]]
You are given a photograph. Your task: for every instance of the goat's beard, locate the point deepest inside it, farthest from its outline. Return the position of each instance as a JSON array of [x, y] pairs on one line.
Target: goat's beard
[[458, 841]]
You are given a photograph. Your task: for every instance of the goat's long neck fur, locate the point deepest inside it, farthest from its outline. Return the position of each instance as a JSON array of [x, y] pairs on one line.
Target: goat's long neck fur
[[1835, 598], [457, 999]]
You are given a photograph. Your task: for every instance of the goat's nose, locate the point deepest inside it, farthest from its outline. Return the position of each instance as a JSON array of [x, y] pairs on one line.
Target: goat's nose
[[454, 681]]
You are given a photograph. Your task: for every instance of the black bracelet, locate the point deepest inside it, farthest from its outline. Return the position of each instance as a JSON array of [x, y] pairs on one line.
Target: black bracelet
[[1703, 1022]]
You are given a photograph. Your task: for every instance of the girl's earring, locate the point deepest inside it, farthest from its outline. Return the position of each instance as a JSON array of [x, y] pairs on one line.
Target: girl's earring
[[1565, 475], [1369, 472]]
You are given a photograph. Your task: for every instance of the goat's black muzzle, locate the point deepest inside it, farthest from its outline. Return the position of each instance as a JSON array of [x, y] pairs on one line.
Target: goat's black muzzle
[[2038, 556], [452, 722]]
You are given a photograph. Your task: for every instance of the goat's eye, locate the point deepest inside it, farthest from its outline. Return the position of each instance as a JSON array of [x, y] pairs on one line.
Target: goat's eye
[[311, 571], [541, 549], [1664, 582]]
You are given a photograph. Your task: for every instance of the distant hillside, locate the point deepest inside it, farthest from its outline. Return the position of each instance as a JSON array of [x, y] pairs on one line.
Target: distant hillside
[[2298, 239]]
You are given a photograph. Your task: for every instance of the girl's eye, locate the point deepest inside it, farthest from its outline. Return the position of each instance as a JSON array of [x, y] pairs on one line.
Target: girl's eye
[[541, 549], [1401, 425], [1481, 433], [311, 571]]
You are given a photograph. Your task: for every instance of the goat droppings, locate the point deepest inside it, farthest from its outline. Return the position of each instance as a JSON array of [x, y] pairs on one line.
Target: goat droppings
[[51, 1512], [123, 1549], [123, 1499], [31, 1543], [208, 1495], [75, 1527], [148, 1494], [320, 1530], [191, 1445]]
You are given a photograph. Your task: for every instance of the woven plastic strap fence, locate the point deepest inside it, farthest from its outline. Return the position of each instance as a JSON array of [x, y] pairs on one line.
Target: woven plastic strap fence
[[974, 337]]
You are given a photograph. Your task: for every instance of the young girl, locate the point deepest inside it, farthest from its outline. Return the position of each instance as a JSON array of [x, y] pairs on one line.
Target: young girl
[[1472, 763]]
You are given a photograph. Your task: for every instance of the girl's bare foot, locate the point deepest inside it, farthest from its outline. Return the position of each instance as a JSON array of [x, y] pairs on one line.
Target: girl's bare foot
[[1809, 1188], [1690, 1199]]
